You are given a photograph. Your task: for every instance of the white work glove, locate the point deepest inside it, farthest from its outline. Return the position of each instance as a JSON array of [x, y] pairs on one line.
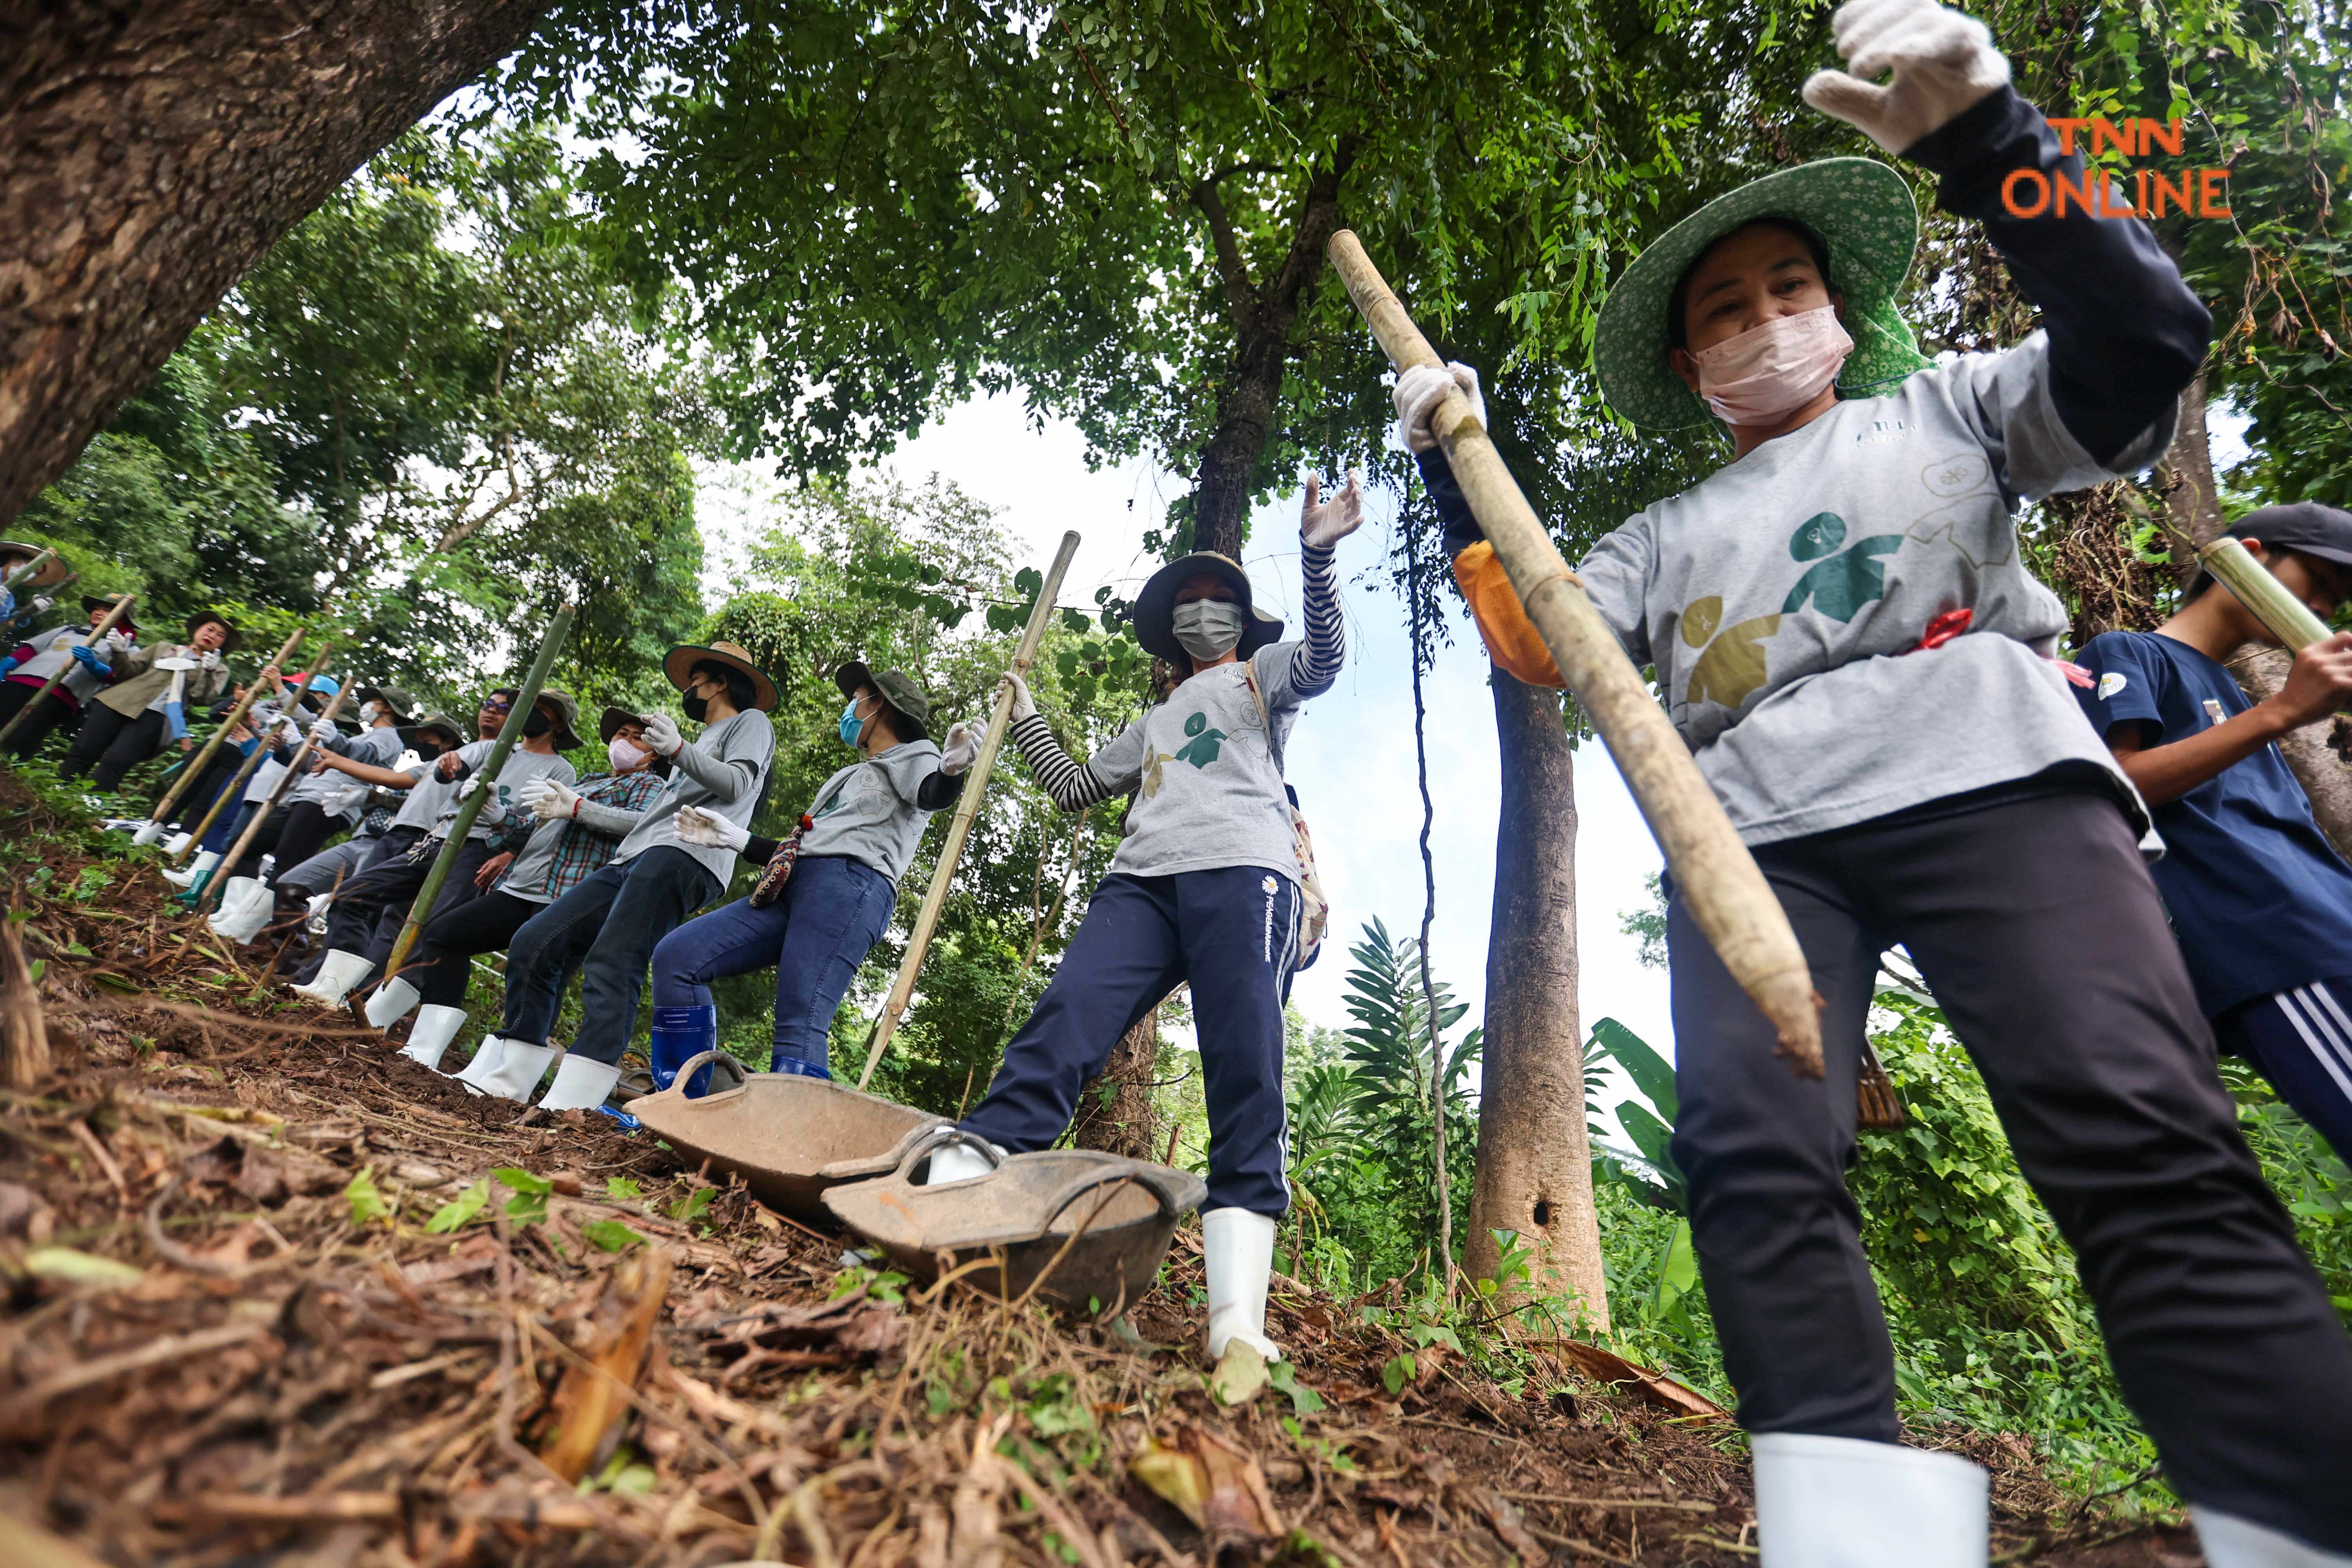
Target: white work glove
[[324, 733], [1323, 523], [1421, 389], [548, 799], [118, 641], [469, 787], [1023, 707], [1944, 64], [710, 830], [661, 735], [41, 603], [962, 750], [212, 659], [408, 761]]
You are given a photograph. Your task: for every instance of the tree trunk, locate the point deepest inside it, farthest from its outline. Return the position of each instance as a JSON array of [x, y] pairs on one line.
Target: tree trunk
[[150, 155], [1250, 394], [2192, 503], [1535, 1163], [1123, 1125]]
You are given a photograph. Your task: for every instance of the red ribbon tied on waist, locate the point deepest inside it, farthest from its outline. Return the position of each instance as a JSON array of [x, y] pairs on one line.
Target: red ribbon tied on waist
[[1952, 623]]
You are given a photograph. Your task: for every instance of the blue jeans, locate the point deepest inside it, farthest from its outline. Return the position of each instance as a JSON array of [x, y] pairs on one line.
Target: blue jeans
[[1232, 934], [831, 912], [609, 925]]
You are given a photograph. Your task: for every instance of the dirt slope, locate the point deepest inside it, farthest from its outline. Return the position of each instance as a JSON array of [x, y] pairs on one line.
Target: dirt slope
[[212, 1356]]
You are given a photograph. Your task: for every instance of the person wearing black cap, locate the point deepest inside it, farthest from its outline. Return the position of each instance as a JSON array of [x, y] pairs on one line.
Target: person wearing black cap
[[143, 708], [372, 907], [831, 884], [610, 923], [86, 669], [2259, 899], [1206, 887]]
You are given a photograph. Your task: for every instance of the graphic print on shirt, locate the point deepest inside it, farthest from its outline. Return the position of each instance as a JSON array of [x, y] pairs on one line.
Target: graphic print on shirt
[[1733, 667], [1839, 584], [1203, 747], [1964, 479]]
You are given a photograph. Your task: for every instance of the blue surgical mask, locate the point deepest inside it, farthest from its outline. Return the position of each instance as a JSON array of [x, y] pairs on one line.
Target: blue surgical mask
[[852, 726]]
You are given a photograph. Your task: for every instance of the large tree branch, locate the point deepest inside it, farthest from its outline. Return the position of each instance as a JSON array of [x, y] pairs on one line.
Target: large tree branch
[[1241, 294], [150, 155]]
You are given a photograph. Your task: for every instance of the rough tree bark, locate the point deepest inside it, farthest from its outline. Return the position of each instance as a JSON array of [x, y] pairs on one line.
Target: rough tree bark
[[2192, 503], [150, 155], [1251, 389], [1535, 1161], [1123, 1126]]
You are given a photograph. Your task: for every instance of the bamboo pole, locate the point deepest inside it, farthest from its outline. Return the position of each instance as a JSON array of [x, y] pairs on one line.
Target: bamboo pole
[[204, 754], [2287, 618], [96, 635], [470, 808], [902, 989], [218, 877], [252, 764], [1727, 895]]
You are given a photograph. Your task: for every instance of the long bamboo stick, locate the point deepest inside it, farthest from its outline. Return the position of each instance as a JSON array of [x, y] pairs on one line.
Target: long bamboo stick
[[470, 808], [902, 989], [1727, 895], [219, 876], [2288, 618], [234, 788], [204, 754], [96, 635], [25, 574]]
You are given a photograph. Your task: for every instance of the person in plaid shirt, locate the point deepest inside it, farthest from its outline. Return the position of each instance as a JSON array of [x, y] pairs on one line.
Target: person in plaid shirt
[[570, 837]]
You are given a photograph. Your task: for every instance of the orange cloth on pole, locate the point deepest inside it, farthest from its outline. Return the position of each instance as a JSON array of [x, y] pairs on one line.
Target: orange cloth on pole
[[1511, 639]]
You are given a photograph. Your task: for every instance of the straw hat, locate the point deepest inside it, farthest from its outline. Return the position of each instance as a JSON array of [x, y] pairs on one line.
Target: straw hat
[[53, 570], [1861, 209], [733, 655], [1155, 608]]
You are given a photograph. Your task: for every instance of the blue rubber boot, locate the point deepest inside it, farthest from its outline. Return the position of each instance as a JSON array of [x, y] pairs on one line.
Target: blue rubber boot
[[780, 1062], [682, 1034]]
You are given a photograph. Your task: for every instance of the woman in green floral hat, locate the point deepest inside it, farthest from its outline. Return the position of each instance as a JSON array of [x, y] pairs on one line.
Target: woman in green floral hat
[[1845, 635]]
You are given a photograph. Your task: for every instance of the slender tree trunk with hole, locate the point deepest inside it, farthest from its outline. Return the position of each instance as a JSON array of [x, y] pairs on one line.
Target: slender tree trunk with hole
[[1535, 1161], [1124, 1124], [150, 155], [2193, 506]]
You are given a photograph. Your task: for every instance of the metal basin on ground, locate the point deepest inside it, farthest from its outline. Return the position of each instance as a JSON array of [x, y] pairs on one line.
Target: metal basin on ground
[[1121, 1213], [789, 1137]]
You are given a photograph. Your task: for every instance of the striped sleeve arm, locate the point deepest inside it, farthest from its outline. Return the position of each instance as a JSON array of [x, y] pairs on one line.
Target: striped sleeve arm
[[1071, 785], [1327, 636]]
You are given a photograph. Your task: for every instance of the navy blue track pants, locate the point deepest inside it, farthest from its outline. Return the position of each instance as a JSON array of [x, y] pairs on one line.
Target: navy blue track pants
[[2302, 1041], [1232, 933]]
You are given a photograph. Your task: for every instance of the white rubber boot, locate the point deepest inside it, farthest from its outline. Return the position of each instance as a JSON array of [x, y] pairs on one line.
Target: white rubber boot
[[339, 972], [487, 1056], [1844, 1502], [2233, 1542], [149, 832], [429, 1038], [580, 1084], [205, 861], [956, 1162], [514, 1071], [390, 1003], [244, 909], [1237, 1252]]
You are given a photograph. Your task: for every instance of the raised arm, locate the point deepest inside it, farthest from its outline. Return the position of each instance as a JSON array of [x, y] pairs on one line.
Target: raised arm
[[1321, 525], [1069, 784]]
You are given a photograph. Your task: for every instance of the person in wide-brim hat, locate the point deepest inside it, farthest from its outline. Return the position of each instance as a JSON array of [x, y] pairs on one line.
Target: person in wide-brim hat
[[100, 604], [434, 726], [1845, 631], [1155, 608], [395, 699], [231, 638], [898, 692], [567, 716], [14, 553], [1862, 213], [680, 662]]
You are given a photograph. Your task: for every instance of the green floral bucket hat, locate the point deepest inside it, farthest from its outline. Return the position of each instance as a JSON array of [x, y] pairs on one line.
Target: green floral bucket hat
[[1864, 212]]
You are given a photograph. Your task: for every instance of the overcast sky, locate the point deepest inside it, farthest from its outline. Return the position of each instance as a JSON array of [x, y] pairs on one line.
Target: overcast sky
[[1351, 757]]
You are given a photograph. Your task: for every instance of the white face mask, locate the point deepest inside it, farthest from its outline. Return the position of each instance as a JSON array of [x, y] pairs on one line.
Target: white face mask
[[624, 757], [1208, 629], [368, 713], [1768, 372]]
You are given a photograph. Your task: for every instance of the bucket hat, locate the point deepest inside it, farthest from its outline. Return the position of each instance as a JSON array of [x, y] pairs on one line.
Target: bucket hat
[[91, 603], [53, 570], [684, 658], [234, 641], [608, 724], [898, 692], [567, 716], [403, 705], [436, 724], [1862, 210], [1155, 608]]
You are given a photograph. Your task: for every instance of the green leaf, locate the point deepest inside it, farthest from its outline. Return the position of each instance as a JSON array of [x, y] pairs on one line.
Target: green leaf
[[621, 1189], [459, 1210], [689, 1208], [367, 1203], [1651, 1073], [522, 1180], [610, 1235], [1398, 1371], [1284, 1376], [76, 1267]]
